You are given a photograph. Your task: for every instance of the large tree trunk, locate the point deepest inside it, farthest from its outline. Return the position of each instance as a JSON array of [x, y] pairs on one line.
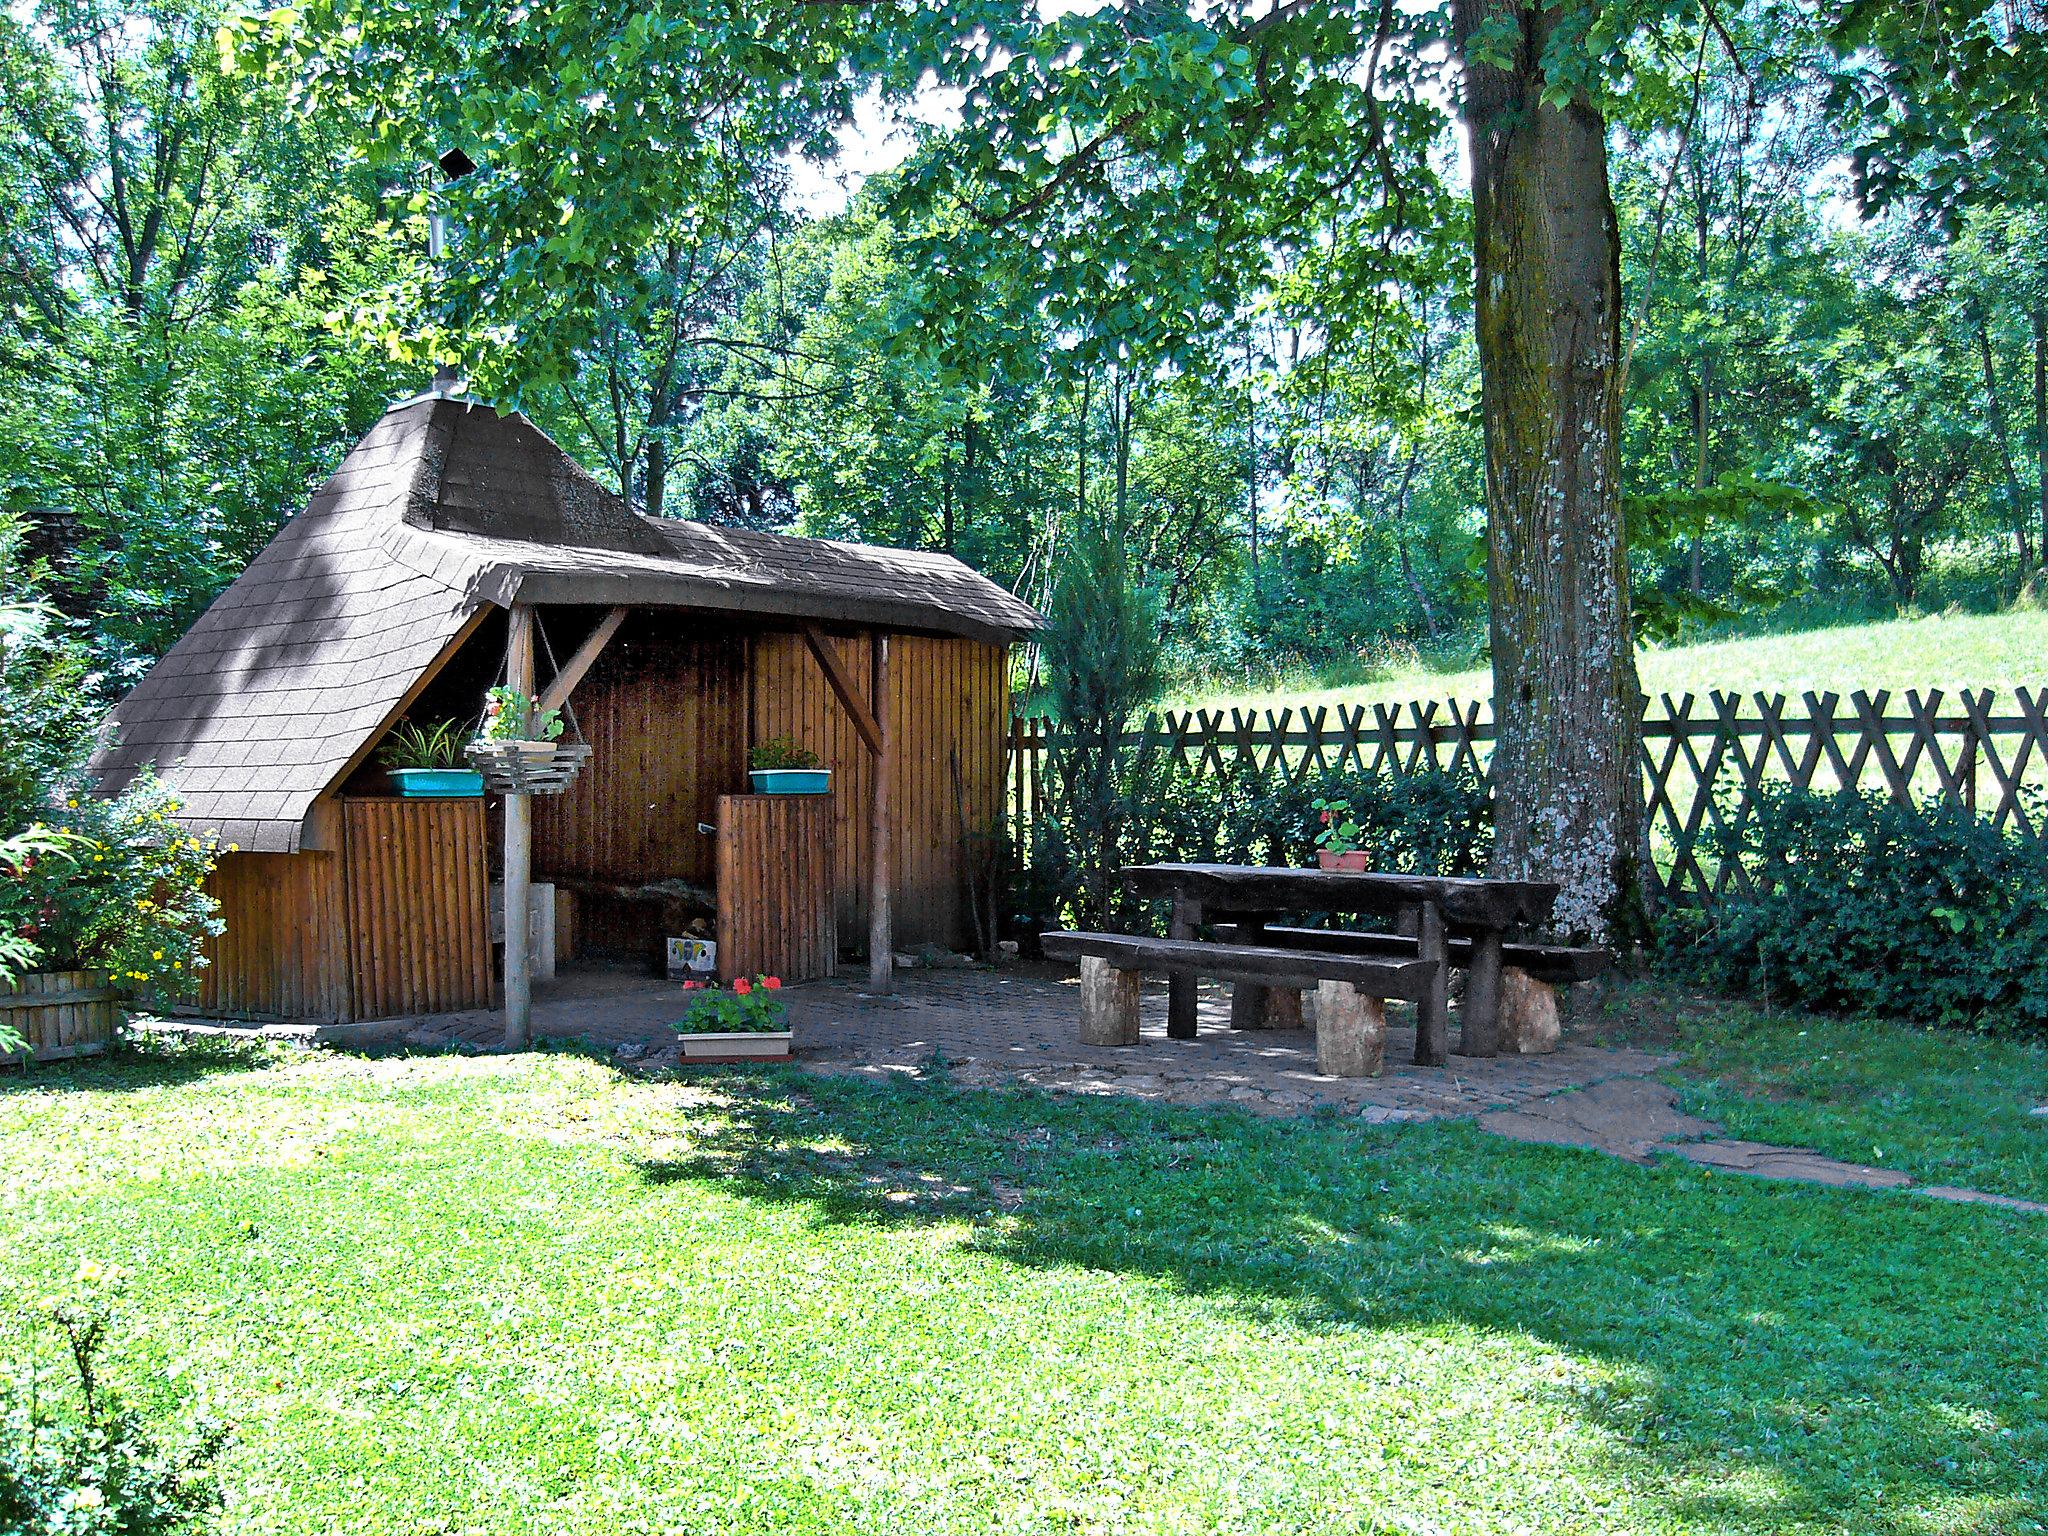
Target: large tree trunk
[[1547, 286]]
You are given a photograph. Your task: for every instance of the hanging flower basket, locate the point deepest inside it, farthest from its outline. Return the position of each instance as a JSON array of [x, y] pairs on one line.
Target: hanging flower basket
[[513, 767]]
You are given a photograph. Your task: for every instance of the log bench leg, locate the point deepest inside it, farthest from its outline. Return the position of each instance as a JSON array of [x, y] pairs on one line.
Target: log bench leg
[[1528, 1013], [1283, 1008], [1351, 1031], [1248, 1003], [1479, 1020], [1109, 1003]]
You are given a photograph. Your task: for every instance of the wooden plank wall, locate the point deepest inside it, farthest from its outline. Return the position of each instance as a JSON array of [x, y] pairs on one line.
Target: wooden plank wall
[[284, 952], [947, 696], [775, 887], [60, 1014], [415, 886], [665, 713]]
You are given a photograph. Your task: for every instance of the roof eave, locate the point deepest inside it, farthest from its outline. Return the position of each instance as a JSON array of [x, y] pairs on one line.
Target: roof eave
[[507, 585]]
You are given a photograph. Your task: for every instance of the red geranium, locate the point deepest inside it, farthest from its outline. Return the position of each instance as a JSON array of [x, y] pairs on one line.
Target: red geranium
[[742, 986], [772, 983]]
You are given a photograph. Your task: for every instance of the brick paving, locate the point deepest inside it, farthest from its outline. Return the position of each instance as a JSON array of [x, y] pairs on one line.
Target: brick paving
[[1019, 1026]]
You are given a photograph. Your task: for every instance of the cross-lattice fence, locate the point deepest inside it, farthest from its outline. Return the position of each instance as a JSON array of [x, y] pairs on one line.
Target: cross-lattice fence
[[1705, 761]]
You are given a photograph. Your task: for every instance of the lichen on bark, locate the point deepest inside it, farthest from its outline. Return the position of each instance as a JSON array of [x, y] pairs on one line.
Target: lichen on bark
[[1547, 296]]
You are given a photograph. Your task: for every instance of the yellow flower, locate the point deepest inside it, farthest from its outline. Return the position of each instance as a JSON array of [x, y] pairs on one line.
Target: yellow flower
[[156, 954], [177, 965], [71, 805]]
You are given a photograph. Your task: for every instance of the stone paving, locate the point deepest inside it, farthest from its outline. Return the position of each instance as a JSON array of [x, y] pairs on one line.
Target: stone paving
[[1019, 1026]]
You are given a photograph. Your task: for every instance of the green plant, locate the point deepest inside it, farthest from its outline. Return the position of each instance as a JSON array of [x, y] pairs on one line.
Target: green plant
[[1858, 904], [781, 752], [747, 1007], [124, 893], [78, 1461], [510, 715], [424, 746]]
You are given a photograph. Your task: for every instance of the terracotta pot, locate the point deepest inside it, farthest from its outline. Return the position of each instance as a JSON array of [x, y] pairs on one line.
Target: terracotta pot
[[1355, 859]]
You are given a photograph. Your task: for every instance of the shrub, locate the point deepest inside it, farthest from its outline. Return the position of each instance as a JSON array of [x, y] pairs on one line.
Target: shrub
[[1862, 905], [50, 701], [75, 1460], [124, 894]]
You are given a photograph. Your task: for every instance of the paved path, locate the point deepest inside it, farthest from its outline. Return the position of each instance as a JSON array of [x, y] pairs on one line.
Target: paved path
[[1638, 1118], [1017, 1027]]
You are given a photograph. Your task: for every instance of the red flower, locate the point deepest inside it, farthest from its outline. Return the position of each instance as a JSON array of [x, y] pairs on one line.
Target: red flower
[[692, 986], [772, 983], [1326, 818], [742, 986]]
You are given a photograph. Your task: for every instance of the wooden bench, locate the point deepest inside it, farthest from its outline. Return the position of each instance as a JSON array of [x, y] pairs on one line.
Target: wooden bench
[[1529, 979], [1351, 990]]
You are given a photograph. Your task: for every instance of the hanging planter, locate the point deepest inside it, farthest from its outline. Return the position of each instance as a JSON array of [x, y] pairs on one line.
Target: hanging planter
[[519, 750]]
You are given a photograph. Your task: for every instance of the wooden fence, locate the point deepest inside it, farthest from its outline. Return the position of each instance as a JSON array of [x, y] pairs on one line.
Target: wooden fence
[[1705, 761]]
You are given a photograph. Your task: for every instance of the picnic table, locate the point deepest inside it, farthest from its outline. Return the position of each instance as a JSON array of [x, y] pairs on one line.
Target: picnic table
[[1441, 912]]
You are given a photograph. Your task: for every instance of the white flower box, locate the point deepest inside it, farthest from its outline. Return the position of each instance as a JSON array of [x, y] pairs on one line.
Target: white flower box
[[747, 1045]]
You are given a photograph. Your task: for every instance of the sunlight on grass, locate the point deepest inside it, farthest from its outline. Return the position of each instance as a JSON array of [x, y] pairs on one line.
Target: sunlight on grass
[[528, 1294], [1947, 651]]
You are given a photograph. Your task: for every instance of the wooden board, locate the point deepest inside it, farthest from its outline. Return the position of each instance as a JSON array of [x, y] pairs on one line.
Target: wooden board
[[284, 951], [776, 913], [60, 1013], [415, 891]]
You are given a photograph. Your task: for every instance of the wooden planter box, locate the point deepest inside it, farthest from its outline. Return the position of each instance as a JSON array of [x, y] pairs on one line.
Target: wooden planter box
[[753, 1045], [1356, 859], [62, 1013]]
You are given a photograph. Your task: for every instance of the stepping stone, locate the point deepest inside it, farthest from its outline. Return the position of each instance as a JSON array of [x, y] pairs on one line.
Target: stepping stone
[[1769, 1162]]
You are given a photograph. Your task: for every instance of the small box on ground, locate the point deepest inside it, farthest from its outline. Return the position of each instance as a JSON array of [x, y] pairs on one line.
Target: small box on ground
[[692, 959]]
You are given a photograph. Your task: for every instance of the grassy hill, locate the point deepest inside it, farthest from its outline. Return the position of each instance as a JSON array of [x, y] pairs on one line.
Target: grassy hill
[[2000, 651]]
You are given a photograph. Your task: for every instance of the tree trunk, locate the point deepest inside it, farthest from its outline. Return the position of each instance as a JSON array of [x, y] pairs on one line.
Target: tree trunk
[[2040, 319], [1547, 286], [656, 499]]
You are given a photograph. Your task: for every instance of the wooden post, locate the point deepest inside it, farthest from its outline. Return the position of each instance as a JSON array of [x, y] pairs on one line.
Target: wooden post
[[1479, 1032], [881, 927], [1180, 987], [518, 852], [1248, 998], [1433, 1009], [1109, 1003]]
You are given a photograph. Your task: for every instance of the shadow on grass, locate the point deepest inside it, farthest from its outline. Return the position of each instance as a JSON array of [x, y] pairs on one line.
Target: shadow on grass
[[1850, 1359], [138, 1061]]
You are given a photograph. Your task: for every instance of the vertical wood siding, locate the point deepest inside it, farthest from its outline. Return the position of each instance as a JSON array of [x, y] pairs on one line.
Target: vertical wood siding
[[418, 940], [284, 952], [775, 887], [665, 713], [60, 1014], [947, 696]]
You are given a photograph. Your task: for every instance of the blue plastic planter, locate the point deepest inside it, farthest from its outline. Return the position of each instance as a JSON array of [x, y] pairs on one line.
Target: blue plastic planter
[[791, 781], [436, 783]]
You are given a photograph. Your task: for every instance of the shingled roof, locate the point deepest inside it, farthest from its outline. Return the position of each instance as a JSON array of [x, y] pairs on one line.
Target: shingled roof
[[443, 510]]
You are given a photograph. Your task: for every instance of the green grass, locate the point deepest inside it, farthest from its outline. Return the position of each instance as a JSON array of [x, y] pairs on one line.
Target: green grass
[[1945, 1107], [1947, 651], [526, 1294]]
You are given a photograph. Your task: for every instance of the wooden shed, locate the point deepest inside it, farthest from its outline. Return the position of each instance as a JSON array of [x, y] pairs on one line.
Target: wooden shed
[[454, 539]]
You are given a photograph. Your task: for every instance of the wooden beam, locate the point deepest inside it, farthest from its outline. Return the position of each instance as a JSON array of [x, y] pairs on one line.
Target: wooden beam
[[557, 692], [881, 927], [518, 853], [843, 690]]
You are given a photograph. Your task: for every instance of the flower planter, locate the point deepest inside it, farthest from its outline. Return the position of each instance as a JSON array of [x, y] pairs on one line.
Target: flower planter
[[528, 767], [752, 1045], [61, 1013], [791, 781], [1354, 860], [436, 783]]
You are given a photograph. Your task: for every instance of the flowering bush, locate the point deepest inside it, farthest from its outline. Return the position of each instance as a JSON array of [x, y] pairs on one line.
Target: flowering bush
[[745, 1008], [124, 893], [510, 715]]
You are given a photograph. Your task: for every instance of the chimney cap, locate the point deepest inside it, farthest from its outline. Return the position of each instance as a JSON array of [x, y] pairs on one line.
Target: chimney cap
[[455, 164]]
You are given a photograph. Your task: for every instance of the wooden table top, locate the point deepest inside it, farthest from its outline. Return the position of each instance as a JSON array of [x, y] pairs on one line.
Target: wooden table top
[[1464, 900]]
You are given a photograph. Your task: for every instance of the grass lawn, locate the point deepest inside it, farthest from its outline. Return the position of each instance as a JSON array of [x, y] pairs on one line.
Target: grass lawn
[[1945, 1107], [1946, 651], [530, 1295]]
